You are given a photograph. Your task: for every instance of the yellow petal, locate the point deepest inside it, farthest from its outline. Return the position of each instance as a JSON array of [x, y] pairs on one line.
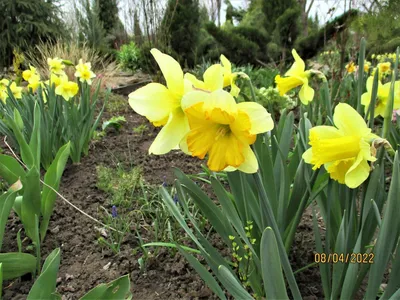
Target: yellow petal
[[241, 128], [171, 70], [202, 133], [193, 98], [227, 70], [154, 101], [220, 107], [198, 84], [307, 155], [306, 93], [250, 164], [214, 78], [260, 119], [235, 90], [171, 134], [226, 151], [285, 84], [357, 173], [349, 121], [298, 66]]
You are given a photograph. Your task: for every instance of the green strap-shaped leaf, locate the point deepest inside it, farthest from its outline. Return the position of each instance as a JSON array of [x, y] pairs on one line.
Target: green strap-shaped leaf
[[119, 289], [274, 283], [232, 284], [45, 285], [203, 272], [52, 179], [6, 204], [35, 143], [16, 264], [388, 234], [10, 169], [1, 279]]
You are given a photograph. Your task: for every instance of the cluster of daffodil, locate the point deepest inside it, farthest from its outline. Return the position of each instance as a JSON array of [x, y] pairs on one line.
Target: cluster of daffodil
[[384, 57], [329, 53], [200, 117], [351, 67], [64, 87], [345, 149]]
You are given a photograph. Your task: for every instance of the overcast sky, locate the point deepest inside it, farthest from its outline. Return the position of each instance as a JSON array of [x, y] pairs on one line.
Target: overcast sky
[[320, 7]]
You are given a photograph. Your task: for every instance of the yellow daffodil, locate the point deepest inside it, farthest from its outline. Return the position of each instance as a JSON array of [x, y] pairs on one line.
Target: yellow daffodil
[[367, 66], [67, 89], [84, 72], [373, 56], [350, 67], [384, 67], [378, 57], [34, 83], [57, 79], [344, 150], [16, 90], [213, 79], [224, 129], [56, 65], [229, 77], [28, 74], [3, 89], [161, 104], [296, 76], [382, 96]]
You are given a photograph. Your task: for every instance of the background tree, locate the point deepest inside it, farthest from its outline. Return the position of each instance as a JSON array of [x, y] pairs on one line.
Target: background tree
[[24, 23], [182, 25], [108, 14]]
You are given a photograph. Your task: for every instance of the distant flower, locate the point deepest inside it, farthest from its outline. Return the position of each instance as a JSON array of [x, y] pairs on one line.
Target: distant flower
[[350, 67], [396, 113], [384, 67], [176, 199], [84, 72], [56, 65], [67, 89], [164, 184], [16, 90], [296, 76], [114, 213]]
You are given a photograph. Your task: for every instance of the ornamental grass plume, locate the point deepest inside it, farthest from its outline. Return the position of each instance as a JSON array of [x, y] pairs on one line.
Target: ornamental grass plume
[[296, 76], [343, 149]]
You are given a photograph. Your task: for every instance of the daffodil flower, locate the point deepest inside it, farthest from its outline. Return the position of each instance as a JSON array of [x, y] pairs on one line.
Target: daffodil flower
[[56, 80], [296, 76], [382, 97], [384, 67], [213, 79], [161, 104], [16, 90], [229, 77], [56, 65], [350, 67], [224, 129], [84, 72], [3, 89], [344, 150], [67, 89], [28, 74]]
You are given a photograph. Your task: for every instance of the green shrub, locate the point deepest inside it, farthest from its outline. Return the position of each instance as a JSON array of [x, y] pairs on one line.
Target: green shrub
[[129, 56]]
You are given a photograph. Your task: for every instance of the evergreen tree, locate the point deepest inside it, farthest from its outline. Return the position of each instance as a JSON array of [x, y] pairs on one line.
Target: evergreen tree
[[182, 23], [24, 23], [108, 14]]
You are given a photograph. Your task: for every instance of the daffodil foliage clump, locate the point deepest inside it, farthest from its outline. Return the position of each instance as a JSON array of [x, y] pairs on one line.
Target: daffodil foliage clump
[[333, 160], [66, 102]]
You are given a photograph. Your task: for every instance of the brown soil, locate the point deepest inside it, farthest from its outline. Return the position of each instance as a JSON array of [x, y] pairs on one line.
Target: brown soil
[[84, 263]]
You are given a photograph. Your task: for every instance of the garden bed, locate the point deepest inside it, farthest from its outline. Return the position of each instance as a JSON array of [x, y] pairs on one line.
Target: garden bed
[[85, 263]]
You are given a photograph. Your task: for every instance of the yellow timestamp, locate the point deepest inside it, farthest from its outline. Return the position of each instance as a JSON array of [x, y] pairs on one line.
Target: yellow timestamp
[[352, 258]]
